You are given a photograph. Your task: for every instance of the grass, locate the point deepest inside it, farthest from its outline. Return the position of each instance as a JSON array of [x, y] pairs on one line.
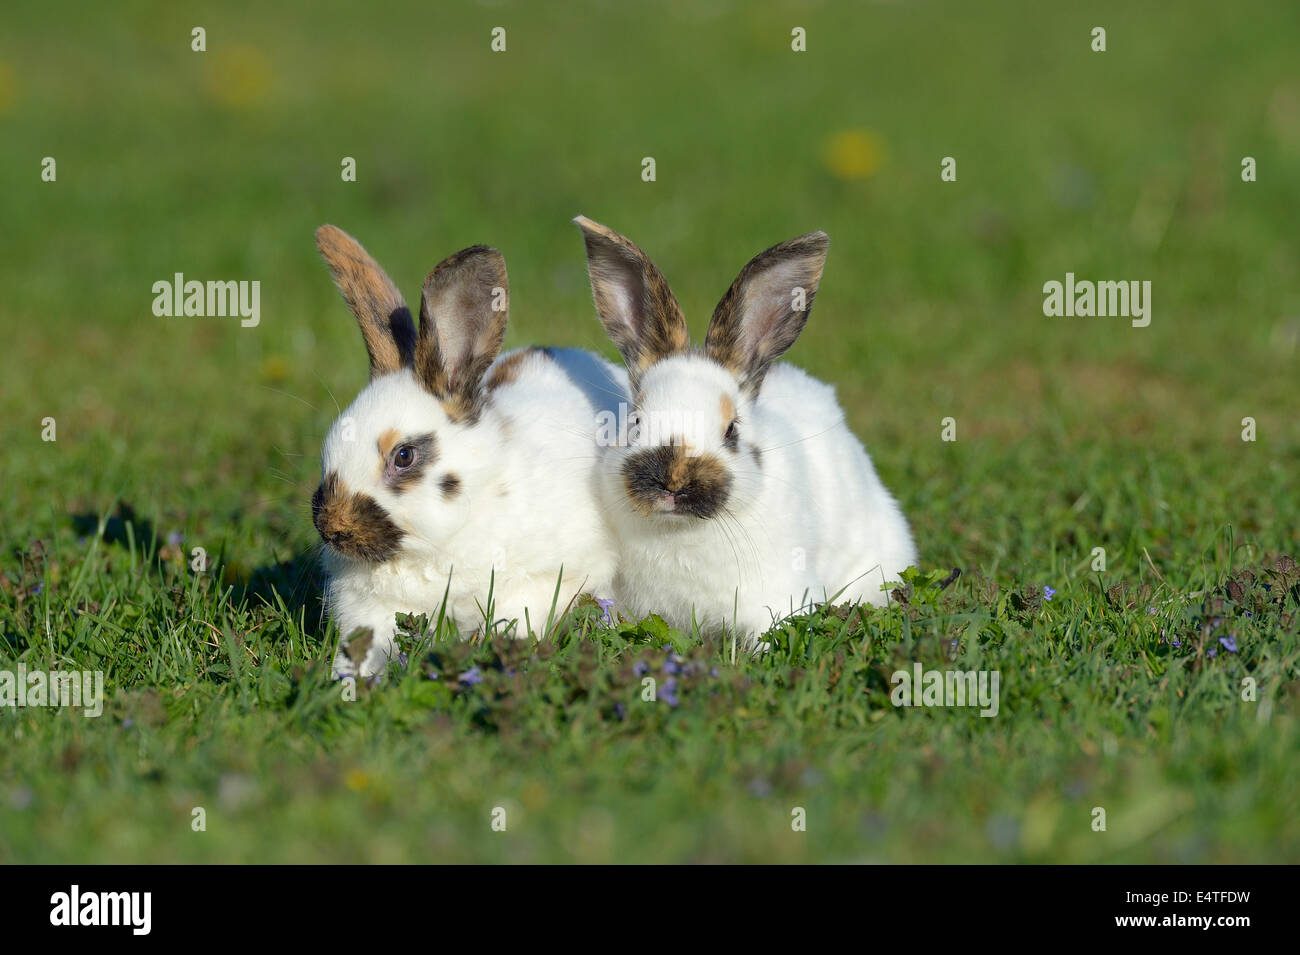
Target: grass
[[1072, 434]]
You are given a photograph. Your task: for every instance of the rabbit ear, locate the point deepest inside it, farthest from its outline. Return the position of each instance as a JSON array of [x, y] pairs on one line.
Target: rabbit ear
[[385, 320], [633, 299], [463, 313], [765, 309]]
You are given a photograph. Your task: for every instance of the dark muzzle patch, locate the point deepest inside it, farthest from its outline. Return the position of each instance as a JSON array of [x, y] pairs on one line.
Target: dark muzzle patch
[[354, 524], [669, 480]]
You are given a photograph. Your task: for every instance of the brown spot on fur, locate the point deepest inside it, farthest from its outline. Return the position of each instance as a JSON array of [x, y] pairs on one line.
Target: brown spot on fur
[[462, 409], [385, 321], [450, 486], [700, 484], [678, 470], [728, 408], [352, 523], [357, 644], [633, 299], [756, 322], [387, 441], [461, 330], [507, 370]]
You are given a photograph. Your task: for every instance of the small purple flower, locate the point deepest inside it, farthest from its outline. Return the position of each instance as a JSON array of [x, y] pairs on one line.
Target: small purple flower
[[433, 674], [1151, 611], [40, 585], [401, 658], [668, 692], [1178, 643], [471, 677], [606, 611], [672, 664], [175, 538], [620, 710], [1229, 644], [1249, 614], [1212, 652], [713, 672], [128, 723], [1048, 593], [640, 668]]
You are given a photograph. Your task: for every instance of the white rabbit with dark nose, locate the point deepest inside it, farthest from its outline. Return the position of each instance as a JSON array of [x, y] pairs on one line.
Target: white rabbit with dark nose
[[456, 473], [738, 495]]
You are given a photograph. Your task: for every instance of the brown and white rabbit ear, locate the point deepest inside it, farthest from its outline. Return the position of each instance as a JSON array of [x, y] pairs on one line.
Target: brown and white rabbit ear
[[385, 321], [463, 312], [765, 309], [633, 300]]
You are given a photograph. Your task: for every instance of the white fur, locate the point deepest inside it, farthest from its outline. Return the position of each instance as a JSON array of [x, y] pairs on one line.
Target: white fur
[[811, 521], [527, 504]]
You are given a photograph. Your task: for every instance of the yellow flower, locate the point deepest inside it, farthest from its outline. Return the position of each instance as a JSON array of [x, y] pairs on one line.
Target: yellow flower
[[854, 154], [534, 796], [275, 369], [238, 76], [356, 780]]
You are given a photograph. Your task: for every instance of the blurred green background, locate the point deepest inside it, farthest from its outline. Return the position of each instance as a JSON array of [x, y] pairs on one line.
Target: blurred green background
[[1072, 433], [1123, 164]]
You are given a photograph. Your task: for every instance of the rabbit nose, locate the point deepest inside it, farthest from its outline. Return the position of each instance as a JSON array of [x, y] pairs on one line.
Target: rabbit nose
[[353, 523]]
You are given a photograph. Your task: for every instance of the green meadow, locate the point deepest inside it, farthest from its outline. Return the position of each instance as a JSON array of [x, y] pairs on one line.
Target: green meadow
[[1121, 501]]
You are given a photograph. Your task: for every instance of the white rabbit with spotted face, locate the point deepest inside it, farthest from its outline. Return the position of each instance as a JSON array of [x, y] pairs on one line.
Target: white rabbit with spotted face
[[454, 472], [740, 495]]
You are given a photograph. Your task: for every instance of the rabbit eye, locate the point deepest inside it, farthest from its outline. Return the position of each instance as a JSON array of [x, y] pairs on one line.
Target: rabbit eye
[[732, 438], [408, 462], [404, 457]]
